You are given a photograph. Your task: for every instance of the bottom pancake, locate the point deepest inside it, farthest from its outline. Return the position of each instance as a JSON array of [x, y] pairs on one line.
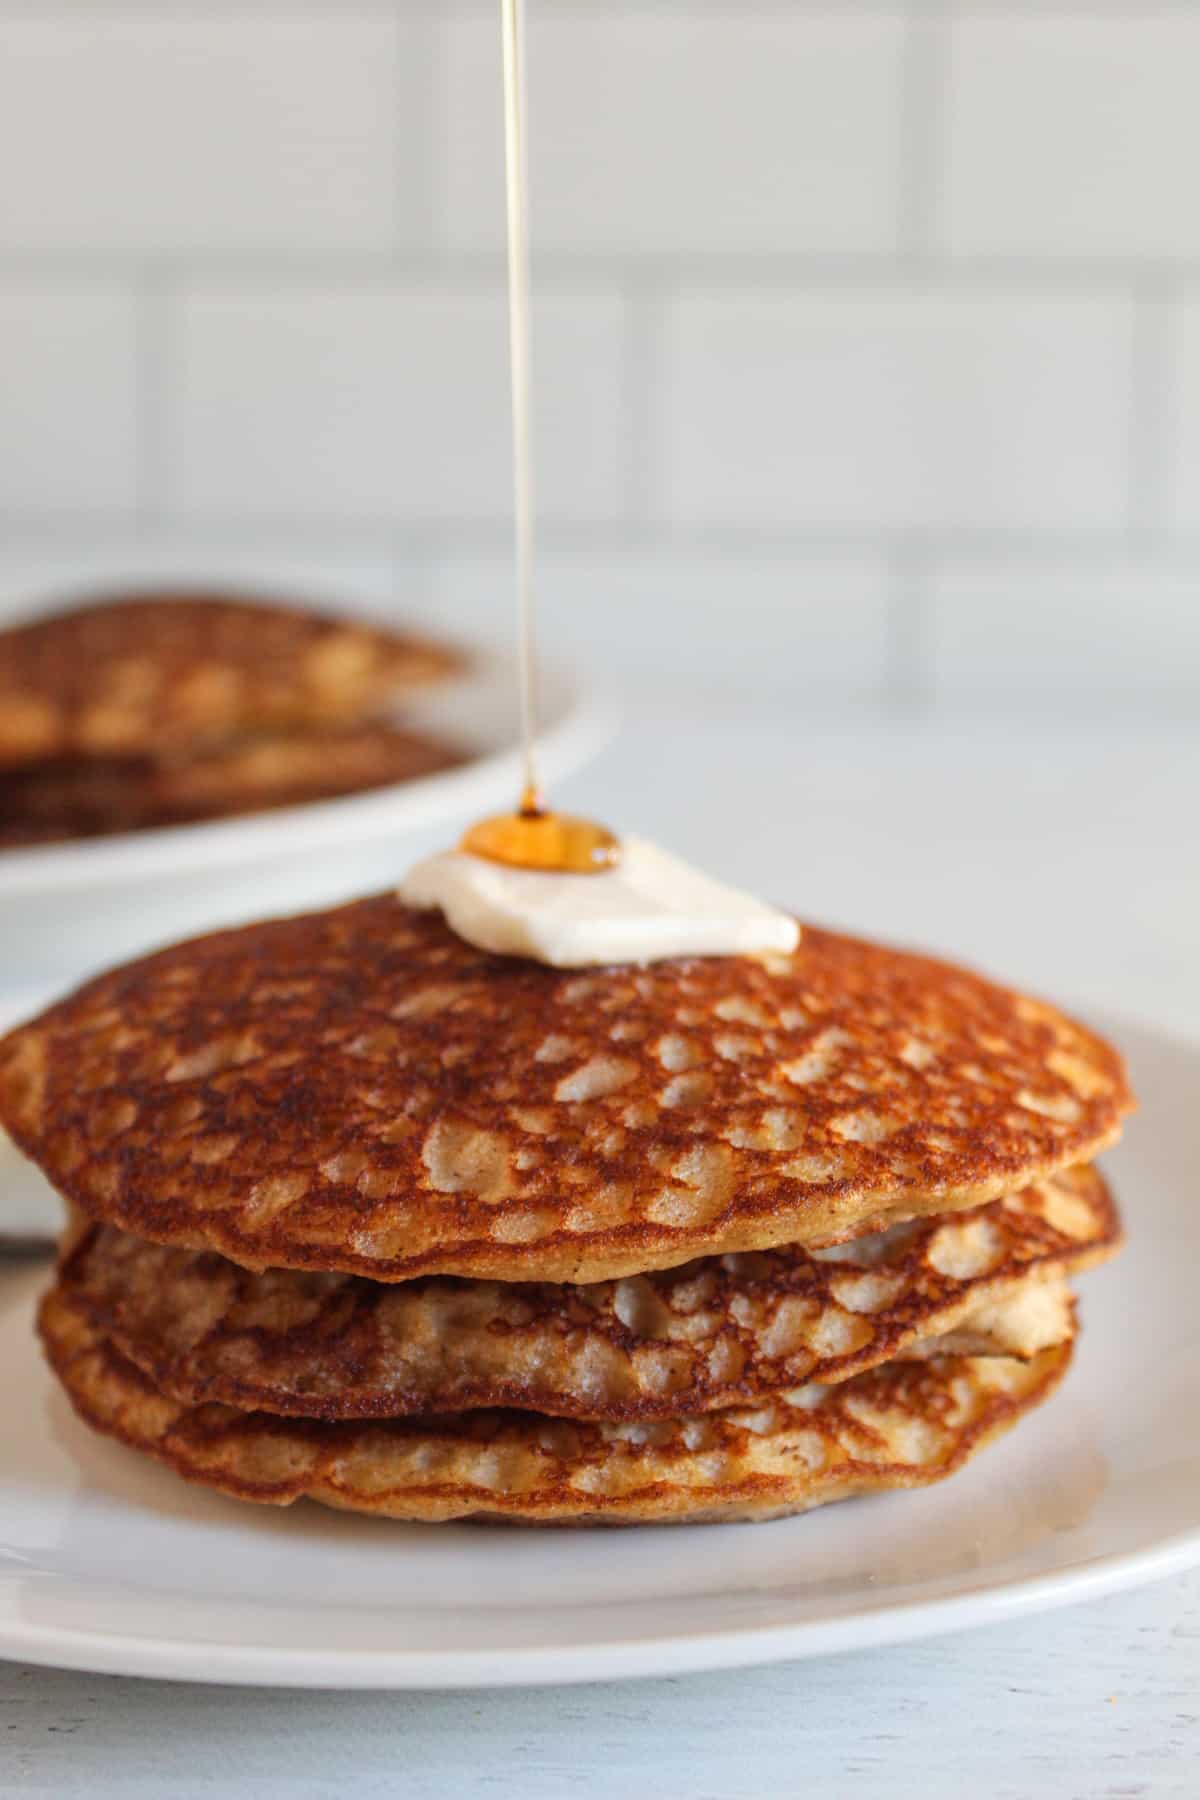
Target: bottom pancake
[[906, 1424]]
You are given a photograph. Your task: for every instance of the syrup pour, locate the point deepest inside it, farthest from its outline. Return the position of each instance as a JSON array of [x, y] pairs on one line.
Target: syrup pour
[[531, 837]]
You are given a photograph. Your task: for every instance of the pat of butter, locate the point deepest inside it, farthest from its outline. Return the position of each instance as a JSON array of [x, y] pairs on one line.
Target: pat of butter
[[650, 906]]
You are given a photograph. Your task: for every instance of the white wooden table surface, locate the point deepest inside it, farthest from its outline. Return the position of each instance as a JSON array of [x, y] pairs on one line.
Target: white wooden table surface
[[1067, 858]]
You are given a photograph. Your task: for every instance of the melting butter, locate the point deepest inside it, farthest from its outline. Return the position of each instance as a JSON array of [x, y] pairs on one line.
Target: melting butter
[[649, 906]]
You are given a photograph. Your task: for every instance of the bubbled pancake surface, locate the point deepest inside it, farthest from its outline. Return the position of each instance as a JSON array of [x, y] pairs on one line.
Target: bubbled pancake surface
[[904, 1425], [361, 1090], [155, 672], [708, 1334], [98, 796]]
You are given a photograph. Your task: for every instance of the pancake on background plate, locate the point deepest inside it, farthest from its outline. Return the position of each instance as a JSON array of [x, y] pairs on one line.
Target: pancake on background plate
[[98, 796], [162, 709], [366, 1214], [154, 672]]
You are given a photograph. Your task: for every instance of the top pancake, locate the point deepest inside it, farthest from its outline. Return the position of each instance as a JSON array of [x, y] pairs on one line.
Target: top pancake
[[360, 1090], [157, 672]]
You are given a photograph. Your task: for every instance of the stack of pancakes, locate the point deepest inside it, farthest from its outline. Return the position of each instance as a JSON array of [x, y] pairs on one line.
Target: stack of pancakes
[[165, 709], [365, 1214]]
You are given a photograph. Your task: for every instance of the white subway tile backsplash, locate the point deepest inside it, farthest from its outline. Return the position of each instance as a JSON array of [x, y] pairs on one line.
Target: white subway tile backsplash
[[681, 130], [1070, 135], [808, 627], [135, 132], [68, 398], [897, 298], [847, 409], [1065, 630], [389, 402], [1181, 426]]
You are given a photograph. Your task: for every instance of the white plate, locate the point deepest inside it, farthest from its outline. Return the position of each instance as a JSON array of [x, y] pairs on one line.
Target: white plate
[[113, 1564], [68, 909]]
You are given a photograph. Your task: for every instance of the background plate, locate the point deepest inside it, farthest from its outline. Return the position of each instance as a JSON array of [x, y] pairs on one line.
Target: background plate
[[109, 1563], [69, 909]]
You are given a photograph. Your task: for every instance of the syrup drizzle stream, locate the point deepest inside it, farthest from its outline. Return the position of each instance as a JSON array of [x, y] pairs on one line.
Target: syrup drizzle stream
[[520, 356], [531, 837]]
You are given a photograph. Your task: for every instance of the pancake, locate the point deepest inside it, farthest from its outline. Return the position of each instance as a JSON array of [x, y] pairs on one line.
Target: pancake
[[22, 834], [360, 1090], [711, 1334], [98, 796], [152, 673], [905, 1425]]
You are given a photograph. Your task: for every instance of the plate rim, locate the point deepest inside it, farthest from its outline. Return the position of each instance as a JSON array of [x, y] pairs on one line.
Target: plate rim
[[623, 1659]]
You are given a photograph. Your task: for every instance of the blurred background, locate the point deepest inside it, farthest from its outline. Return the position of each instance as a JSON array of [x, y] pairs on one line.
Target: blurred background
[[868, 337]]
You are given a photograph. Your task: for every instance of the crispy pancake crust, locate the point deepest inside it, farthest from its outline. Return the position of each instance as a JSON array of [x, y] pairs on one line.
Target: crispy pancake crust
[[360, 1090], [98, 796], [714, 1333], [155, 672], [904, 1425]]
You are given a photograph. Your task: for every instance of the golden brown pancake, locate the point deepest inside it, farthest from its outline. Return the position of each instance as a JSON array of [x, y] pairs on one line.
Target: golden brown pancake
[[98, 796], [710, 1334], [904, 1425], [360, 1090], [153, 673]]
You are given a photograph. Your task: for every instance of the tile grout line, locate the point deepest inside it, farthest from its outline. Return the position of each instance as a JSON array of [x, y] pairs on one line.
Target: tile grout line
[[922, 109], [1150, 409], [643, 369], [908, 687], [152, 352], [55, 526], [785, 271], [225, 12], [429, 41]]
